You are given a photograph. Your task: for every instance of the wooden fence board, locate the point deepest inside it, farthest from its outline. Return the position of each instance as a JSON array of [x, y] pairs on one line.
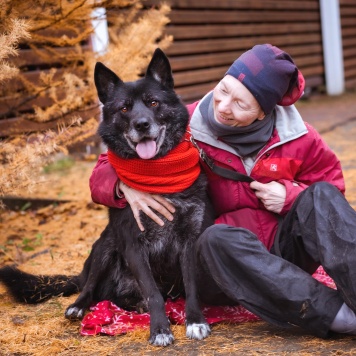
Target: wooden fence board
[[216, 73], [15, 104], [211, 17], [199, 76], [214, 31], [350, 52], [188, 62], [19, 125], [229, 44], [33, 77], [33, 58], [241, 4], [350, 68], [209, 35], [348, 30], [347, 21], [348, 11]]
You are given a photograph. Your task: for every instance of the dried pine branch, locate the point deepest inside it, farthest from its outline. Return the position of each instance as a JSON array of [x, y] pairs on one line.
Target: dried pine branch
[[18, 30], [23, 157], [52, 25]]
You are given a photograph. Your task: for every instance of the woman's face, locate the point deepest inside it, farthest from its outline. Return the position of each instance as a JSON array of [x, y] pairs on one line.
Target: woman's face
[[234, 105]]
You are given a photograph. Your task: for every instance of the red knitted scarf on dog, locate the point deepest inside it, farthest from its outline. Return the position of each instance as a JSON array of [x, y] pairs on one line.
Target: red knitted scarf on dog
[[172, 173]]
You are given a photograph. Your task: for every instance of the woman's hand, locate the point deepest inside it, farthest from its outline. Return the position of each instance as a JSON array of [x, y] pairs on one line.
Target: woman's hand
[[141, 201], [272, 195]]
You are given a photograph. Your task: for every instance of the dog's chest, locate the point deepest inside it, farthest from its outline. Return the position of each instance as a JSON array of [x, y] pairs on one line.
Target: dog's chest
[[175, 235]]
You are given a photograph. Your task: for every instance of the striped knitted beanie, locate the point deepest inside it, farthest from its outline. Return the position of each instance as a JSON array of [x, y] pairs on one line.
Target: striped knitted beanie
[[270, 75]]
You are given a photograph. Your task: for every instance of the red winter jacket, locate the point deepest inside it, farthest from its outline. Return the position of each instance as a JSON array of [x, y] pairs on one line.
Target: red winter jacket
[[295, 156]]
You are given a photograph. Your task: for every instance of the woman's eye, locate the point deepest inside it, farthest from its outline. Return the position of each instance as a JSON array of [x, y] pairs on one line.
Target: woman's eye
[[124, 109], [240, 105], [222, 87], [154, 103]]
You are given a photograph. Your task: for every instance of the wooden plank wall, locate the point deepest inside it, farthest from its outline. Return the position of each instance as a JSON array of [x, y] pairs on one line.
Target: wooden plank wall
[[14, 105], [348, 28], [209, 35]]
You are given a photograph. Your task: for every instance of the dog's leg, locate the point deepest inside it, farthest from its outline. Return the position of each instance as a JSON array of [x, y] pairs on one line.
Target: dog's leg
[[197, 327], [76, 310], [93, 270], [160, 332]]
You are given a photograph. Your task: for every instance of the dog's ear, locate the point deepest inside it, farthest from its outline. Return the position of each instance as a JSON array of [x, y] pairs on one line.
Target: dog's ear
[[160, 69], [105, 81]]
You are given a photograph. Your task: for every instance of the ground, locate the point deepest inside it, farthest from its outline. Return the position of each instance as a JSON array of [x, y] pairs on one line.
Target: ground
[[58, 238]]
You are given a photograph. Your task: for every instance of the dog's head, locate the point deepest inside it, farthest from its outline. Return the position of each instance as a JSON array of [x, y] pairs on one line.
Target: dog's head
[[144, 118]]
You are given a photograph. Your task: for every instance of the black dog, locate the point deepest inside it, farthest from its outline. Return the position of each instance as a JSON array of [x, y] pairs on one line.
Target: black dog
[[131, 268]]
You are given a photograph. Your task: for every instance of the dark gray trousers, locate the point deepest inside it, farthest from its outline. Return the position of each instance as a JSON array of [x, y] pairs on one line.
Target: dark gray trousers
[[320, 229]]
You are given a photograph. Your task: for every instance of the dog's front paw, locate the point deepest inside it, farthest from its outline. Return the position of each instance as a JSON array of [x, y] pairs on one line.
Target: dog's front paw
[[74, 313], [161, 338], [198, 331]]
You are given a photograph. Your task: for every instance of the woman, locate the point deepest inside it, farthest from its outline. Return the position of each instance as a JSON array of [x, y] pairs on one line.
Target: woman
[[248, 124]]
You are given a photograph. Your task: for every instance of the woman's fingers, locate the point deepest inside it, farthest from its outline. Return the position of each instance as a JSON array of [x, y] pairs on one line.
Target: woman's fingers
[[149, 204], [272, 195], [146, 208], [157, 204], [136, 213], [151, 214], [164, 206]]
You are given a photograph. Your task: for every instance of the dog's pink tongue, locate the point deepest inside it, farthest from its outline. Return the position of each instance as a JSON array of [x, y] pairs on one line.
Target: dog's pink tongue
[[146, 149]]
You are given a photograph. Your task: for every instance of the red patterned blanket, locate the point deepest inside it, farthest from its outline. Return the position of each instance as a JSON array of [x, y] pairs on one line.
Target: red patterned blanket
[[106, 318]]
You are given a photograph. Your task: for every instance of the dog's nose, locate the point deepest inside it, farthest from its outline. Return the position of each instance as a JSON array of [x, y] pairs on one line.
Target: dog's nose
[[141, 124]]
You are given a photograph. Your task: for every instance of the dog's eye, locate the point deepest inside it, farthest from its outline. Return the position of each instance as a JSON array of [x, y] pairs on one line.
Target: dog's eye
[[124, 109], [154, 103]]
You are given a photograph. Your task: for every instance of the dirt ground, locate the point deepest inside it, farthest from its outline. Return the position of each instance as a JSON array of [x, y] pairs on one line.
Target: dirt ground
[[58, 238]]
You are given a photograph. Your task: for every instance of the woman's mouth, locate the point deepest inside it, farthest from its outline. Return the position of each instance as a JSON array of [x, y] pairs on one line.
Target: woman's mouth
[[224, 119]]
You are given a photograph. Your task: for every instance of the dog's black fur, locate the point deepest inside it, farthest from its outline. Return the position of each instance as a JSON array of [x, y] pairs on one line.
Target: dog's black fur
[[129, 267]]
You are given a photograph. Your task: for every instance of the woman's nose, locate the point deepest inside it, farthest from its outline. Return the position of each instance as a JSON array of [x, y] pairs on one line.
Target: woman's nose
[[225, 106]]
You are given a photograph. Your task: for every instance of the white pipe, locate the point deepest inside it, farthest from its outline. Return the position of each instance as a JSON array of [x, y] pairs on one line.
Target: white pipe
[[332, 46], [100, 41], [100, 37]]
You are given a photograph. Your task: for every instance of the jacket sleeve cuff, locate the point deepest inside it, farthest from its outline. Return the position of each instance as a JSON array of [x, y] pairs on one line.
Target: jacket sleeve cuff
[[118, 193], [119, 197], [103, 182], [293, 189]]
